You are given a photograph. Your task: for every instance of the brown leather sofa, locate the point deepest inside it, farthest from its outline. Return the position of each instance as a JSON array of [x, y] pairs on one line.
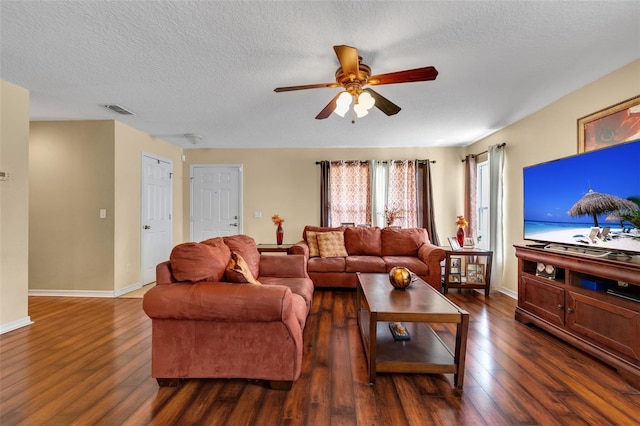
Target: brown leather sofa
[[373, 250], [204, 326]]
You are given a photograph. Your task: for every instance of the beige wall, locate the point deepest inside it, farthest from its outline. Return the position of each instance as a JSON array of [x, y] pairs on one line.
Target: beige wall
[[130, 144], [287, 182], [14, 206], [71, 179], [547, 135], [78, 168]]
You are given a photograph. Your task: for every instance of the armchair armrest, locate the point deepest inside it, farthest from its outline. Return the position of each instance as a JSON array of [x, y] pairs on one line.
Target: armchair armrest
[[301, 247], [291, 266], [219, 302]]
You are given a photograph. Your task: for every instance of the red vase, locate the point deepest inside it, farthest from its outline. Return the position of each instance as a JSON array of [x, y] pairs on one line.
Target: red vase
[[279, 235], [460, 236]]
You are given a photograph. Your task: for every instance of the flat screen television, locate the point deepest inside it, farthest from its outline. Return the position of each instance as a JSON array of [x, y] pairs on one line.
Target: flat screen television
[[571, 201]]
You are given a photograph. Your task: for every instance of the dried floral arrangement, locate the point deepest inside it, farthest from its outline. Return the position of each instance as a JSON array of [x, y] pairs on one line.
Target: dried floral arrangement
[[277, 220], [462, 222]]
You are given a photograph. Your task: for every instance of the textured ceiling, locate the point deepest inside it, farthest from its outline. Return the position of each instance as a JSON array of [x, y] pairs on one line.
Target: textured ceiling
[[209, 68]]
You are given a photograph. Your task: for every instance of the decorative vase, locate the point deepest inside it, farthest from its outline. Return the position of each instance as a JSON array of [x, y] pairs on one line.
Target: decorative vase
[[400, 278], [279, 235], [460, 236]]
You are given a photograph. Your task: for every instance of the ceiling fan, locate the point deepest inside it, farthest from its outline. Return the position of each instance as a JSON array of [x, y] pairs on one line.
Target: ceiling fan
[[353, 76]]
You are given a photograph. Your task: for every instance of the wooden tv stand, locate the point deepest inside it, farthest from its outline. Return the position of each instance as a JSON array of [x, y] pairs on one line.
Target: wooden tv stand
[[572, 307]]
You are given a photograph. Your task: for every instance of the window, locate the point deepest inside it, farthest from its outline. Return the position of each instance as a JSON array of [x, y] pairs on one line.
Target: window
[[361, 191], [349, 196]]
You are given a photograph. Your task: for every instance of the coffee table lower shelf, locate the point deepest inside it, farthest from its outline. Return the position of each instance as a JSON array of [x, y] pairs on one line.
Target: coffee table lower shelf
[[424, 353]]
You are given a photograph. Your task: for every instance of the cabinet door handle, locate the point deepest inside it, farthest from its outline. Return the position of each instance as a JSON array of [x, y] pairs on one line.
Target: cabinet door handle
[[569, 310], [560, 307]]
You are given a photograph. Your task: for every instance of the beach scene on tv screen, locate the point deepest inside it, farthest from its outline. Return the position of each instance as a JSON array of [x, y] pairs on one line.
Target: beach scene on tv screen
[[591, 199]]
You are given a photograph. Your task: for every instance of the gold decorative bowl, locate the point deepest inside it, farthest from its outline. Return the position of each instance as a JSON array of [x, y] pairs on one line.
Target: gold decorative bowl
[[400, 277]]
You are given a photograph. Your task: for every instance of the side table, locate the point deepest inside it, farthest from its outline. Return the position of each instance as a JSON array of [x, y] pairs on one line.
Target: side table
[[274, 248], [467, 268]]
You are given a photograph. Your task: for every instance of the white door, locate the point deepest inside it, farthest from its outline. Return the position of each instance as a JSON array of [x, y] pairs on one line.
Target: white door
[[156, 215], [215, 201]]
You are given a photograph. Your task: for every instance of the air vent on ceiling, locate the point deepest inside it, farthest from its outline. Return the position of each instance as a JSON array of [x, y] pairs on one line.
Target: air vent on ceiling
[[119, 109]]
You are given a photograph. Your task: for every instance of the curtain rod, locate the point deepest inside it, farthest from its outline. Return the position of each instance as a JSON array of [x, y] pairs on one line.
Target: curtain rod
[[384, 162], [502, 145]]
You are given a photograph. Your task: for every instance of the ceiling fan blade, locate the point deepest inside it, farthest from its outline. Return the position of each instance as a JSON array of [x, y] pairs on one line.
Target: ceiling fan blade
[[408, 76], [331, 106], [348, 57], [383, 104], [308, 86]]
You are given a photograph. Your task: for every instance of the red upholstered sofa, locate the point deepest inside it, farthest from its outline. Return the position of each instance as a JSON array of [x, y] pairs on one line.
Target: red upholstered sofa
[[204, 326], [369, 250]]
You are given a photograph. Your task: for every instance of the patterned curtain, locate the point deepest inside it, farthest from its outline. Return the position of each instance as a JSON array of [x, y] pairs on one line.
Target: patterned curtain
[[401, 192], [349, 197]]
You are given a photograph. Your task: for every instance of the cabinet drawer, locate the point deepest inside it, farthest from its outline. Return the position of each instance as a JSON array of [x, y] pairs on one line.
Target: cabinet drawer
[[542, 298], [614, 326]]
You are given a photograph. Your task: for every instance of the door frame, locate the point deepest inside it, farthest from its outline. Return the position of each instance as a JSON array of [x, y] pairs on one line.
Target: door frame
[[240, 197], [144, 154]]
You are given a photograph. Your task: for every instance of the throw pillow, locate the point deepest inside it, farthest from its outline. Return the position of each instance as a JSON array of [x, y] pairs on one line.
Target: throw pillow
[[312, 242], [331, 244], [196, 262], [238, 271], [246, 247]]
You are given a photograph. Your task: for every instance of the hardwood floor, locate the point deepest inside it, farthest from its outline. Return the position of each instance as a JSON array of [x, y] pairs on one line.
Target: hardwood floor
[[87, 362]]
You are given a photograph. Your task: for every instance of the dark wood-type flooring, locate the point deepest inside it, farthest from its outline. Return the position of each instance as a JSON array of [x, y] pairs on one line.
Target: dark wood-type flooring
[[86, 361]]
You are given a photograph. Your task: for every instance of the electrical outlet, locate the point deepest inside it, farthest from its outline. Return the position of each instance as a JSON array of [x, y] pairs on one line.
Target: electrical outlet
[[103, 213]]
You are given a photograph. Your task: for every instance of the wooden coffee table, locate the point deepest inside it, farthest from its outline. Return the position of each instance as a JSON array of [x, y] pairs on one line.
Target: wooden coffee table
[[378, 304]]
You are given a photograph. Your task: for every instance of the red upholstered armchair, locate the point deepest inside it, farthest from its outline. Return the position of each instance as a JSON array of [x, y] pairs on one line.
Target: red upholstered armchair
[[212, 328]]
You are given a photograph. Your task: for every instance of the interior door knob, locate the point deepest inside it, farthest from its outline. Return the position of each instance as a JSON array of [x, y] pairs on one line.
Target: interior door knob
[[147, 227], [233, 224]]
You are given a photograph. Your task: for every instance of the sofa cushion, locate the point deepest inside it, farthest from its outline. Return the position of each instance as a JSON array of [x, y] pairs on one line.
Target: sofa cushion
[[403, 242], [370, 264], [197, 262], [300, 286], [363, 241], [245, 246], [413, 264], [326, 264], [238, 271], [331, 244]]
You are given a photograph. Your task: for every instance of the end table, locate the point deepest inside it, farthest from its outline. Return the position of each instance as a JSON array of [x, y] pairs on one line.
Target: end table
[[274, 248], [467, 268]]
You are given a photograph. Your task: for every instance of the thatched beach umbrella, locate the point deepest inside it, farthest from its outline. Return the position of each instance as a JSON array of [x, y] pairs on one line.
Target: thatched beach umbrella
[[593, 203]]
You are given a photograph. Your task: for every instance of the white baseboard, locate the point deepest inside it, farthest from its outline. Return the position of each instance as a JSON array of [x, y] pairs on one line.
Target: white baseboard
[[512, 294], [71, 293], [13, 325], [85, 293], [128, 289]]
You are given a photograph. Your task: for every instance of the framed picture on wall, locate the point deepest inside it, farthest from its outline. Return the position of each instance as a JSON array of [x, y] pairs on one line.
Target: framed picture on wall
[[610, 126]]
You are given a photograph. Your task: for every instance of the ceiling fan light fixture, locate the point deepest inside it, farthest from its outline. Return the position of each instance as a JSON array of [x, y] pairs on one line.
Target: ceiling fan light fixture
[[343, 103], [366, 100], [360, 110]]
